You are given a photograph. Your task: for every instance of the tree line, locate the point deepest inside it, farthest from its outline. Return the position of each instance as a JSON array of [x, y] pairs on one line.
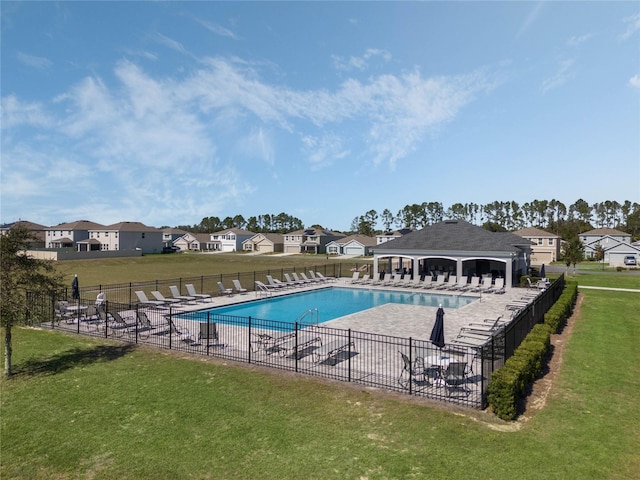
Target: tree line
[[551, 215]]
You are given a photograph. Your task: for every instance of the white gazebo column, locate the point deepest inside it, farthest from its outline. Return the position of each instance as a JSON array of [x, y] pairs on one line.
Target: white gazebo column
[[459, 268], [508, 273], [376, 273]]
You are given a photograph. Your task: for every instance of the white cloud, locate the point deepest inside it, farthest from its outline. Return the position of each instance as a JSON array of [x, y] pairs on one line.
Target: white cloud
[[633, 25], [578, 40], [562, 75], [216, 28], [16, 113], [33, 61], [170, 43], [359, 63], [635, 81], [157, 146]]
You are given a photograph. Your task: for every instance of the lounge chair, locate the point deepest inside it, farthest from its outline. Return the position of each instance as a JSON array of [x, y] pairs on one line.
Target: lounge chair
[[294, 344], [460, 285], [198, 296], [304, 278], [300, 280], [355, 277], [498, 287], [426, 283], [175, 293], [484, 286], [144, 324], [161, 298], [440, 283], [142, 298], [291, 282], [238, 287], [312, 276], [488, 326], [209, 333], [326, 279], [262, 287], [60, 309], [224, 291], [363, 280], [331, 349], [275, 283], [451, 282], [472, 285]]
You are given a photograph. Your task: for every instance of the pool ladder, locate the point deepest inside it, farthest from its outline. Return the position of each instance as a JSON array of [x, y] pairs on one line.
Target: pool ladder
[[313, 315]]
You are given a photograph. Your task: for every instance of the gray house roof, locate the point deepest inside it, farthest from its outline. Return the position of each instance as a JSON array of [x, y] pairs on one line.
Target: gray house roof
[[456, 235]]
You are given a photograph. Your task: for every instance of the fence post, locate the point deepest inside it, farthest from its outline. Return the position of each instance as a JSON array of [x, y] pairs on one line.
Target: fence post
[[170, 328], [410, 365], [249, 339], [349, 364], [208, 332]]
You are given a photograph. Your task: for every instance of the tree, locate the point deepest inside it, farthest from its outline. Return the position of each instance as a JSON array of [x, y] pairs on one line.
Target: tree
[[572, 252], [19, 273], [600, 254]]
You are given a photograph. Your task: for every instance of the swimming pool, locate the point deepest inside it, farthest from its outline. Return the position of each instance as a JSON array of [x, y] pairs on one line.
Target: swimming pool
[[331, 303]]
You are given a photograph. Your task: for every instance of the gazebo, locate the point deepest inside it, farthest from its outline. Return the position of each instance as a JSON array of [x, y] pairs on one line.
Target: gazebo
[[455, 247]]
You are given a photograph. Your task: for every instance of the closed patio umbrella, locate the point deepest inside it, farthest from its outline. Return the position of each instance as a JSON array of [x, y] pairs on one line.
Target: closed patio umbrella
[[437, 333], [542, 274], [75, 288]]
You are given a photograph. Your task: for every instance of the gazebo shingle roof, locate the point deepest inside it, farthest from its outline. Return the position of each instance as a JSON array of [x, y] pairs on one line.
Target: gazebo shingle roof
[[456, 235]]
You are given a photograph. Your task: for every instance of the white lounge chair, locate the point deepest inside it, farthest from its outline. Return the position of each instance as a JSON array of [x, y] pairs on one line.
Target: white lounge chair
[[326, 279], [275, 284], [142, 298], [300, 280], [440, 283], [355, 277], [161, 298], [198, 296], [312, 276], [224, 291], [332, 349], [175, 293], [238, 287], [291, 282]]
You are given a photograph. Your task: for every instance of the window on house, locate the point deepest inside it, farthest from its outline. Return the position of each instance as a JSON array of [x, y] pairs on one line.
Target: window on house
[[142, 234], [106, 234], [539, 241], [551, 242], [116, 234]]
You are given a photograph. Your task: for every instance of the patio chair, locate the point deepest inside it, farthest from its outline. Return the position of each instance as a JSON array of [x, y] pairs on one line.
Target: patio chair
[[209, 333], [411, 373], [363, 280], [304, 278], [142, 298], [355, 277], [451, 282], [161, 298], [440, 283], [472, 285], [426, 283], [498, 287], [191, 291], [455, 378], [175, 294], [225, 291], [60, 309], [239, 289], [144, 324], [313, 276], [300, 280], [119, 326]]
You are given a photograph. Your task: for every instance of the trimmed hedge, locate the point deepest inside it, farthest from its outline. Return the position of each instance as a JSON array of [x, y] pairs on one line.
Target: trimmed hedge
[[509, 383]]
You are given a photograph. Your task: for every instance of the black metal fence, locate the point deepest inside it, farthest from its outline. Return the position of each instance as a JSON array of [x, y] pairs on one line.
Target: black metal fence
[[124, 293], [398, 364]]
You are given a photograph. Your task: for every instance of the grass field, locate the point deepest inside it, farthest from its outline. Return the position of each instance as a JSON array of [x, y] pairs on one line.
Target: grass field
[[88, 408]]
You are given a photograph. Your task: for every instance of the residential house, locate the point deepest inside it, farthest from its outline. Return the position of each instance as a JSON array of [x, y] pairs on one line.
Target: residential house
[[264, 243], [359, 245], [310, 240], [458, 248], [391, 235], [230, 240], [615, 244], [196, 242], [37, 231], [169, 235], [128, 236], [72, 235], [545, 246]]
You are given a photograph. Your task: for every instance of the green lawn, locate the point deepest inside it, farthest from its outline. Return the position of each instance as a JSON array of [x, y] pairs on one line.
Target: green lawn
[[165, 267], [87, 408]]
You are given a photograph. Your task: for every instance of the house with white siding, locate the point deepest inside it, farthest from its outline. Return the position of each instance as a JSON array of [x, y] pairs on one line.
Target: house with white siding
[[545, 246], [309, 240], [230, 240], [71, 235], [264, 243], [359, 245]]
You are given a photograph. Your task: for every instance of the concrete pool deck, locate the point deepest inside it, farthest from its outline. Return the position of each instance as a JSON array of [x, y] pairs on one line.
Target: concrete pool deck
[[393, 319]]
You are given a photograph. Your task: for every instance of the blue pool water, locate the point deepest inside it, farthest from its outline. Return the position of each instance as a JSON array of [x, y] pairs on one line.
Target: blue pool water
[[331, 303]]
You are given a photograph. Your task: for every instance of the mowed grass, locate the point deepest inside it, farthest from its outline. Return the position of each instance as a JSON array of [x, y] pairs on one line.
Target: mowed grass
[[165, 267], [88, 408]]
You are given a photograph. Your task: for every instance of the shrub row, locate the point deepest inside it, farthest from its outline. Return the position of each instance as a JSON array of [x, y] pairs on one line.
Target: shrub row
[[509, 383]]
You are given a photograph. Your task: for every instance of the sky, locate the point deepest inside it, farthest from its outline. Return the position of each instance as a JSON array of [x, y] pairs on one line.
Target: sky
[[169, 112]]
